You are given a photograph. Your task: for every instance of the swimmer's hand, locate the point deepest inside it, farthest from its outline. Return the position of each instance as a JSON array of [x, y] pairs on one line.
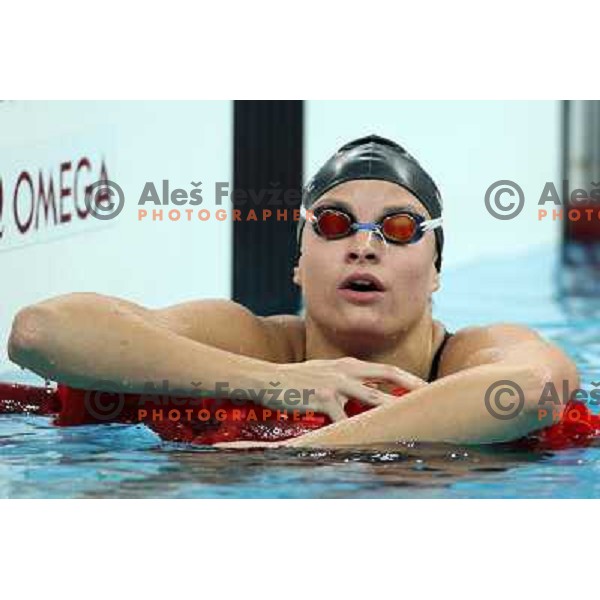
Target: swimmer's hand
[[325, 386]]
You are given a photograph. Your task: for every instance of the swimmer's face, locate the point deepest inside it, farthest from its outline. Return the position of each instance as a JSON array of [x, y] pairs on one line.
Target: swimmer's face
[[407, 272]]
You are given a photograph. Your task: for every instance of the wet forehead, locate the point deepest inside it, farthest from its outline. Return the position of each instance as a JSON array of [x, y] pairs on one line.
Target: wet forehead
[[368, 198]]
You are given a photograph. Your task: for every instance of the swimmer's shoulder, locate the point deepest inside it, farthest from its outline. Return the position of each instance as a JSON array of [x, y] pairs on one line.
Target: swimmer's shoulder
[[477, 345], [233, 327], [289, 334]]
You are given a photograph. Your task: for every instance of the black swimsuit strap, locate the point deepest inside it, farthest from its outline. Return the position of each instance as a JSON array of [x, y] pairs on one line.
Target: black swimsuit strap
[[436, 359]]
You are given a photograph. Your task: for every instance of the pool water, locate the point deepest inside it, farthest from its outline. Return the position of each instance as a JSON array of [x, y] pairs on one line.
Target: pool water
[[38, 460]]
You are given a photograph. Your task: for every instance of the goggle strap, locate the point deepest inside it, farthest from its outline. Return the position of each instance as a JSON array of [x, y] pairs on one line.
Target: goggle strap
[[307, 216], [431, 224]]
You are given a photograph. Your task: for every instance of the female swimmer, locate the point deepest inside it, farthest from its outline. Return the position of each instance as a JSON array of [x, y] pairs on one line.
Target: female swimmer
[[370, 253]]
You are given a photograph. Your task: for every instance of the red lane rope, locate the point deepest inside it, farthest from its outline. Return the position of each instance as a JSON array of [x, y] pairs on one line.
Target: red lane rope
[[200, 422]]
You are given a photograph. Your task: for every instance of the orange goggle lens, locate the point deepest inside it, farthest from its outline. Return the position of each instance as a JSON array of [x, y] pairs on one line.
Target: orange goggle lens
[[333, 224], [399, 228]]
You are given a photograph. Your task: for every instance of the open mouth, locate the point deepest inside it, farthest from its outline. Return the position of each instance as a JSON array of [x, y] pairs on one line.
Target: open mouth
[[361, 286], [362, 283]]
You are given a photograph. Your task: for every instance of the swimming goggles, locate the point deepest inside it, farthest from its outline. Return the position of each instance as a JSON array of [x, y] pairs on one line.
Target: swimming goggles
[[401, 227]]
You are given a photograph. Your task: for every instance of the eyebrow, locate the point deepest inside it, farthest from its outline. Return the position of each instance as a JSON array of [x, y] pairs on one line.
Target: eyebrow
[[389, 210]]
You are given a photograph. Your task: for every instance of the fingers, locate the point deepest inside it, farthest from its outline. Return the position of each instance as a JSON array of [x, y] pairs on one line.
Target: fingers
[[366, 394], [335, 411], [366, 370]]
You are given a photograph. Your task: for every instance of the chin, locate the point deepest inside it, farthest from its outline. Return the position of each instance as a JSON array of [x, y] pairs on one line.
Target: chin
[[367, 326]]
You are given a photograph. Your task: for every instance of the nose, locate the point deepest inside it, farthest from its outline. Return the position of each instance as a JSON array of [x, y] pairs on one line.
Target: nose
[[364, 246]]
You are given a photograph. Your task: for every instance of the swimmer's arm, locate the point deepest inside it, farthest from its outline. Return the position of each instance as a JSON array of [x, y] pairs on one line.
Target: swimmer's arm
[[82, 338], [453, 409]]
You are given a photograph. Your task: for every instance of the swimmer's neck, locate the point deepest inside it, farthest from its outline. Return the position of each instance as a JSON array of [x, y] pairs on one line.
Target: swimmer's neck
[[411, 350]]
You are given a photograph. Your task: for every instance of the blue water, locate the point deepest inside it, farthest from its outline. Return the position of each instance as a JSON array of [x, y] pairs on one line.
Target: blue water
[[38, 460]]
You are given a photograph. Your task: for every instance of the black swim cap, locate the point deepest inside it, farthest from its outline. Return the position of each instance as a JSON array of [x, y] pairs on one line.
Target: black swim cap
[[375, 157]]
